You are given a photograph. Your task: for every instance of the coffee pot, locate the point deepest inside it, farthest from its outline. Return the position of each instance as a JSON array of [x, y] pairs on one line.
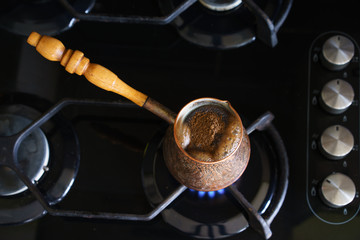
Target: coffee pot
[[206, 147]]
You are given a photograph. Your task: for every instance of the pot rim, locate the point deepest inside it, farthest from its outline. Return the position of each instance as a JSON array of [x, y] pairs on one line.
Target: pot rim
[[222, 102]]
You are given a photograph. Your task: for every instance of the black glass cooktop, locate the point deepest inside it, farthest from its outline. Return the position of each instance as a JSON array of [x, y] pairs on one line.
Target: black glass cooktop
[[156, 60]]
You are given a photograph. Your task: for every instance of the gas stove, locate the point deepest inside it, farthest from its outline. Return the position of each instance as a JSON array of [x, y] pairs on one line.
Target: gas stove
[[89, 163]]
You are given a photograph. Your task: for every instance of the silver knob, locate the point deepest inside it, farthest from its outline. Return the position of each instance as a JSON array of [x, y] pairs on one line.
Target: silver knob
[[337, 52], [336, 142], [337, 96], [337, 190]]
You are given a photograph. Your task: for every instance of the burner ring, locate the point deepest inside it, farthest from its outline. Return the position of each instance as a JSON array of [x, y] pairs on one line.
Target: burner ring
[[229, 29], [61, 169]]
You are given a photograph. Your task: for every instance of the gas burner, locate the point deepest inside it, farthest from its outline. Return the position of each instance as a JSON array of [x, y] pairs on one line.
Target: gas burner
[[209, 23], [215, 214], [48, 157], [231, 23], [44, 16]]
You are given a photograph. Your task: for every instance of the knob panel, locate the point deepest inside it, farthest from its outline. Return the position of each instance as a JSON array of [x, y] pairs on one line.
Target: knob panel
[[333, 136]]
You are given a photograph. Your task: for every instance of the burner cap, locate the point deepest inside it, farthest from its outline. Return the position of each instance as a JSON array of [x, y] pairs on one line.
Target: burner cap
[[221, 5], [33, 154]]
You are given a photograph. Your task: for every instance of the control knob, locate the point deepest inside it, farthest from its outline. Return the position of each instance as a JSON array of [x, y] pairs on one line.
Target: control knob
[[336, 142], [337, 190], [336, 96], [337, 52]]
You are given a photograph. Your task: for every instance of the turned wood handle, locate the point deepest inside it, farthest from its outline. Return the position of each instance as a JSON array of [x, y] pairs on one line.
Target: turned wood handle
[[75, 62]]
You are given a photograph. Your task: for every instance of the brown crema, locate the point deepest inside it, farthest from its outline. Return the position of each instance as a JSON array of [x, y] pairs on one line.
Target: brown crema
[[211, 133]]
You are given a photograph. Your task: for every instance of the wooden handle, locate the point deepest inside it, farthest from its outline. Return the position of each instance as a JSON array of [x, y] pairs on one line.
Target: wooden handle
[[75, 62]]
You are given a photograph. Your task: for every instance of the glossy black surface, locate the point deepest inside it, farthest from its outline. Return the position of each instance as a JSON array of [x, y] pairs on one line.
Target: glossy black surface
[[155, 60]]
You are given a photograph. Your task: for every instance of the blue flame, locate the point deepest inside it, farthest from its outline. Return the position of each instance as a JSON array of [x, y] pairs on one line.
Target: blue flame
[[211, 194], [221, 191], [201, 194]]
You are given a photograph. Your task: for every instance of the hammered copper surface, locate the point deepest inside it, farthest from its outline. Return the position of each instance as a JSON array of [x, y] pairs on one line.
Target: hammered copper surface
[[205, 176]]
